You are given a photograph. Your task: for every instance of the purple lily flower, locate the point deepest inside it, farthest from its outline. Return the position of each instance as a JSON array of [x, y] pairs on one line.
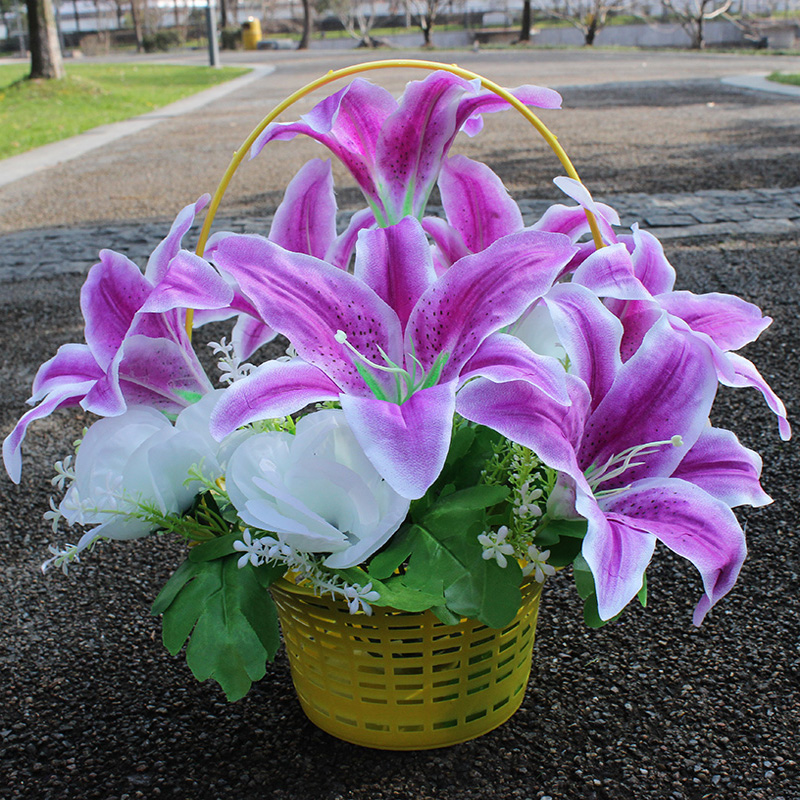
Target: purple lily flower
[[136, 350], [640, 463], [637, 280], [393, 343], [395, 150]]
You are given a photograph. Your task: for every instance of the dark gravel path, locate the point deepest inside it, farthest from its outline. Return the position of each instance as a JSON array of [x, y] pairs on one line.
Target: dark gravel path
[[94, 707]]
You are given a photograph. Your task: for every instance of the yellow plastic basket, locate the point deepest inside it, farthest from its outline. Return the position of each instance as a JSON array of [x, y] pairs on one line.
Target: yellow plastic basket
[[404, 681]]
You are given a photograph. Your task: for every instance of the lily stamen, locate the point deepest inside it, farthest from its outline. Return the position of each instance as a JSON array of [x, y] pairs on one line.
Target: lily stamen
[[619, 463]]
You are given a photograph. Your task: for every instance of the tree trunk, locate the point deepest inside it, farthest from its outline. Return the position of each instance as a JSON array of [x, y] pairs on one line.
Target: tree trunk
[[525, 31], [306, 35], [46, 59], [76, 15], [699, 38], [591, 31], [137, 25]]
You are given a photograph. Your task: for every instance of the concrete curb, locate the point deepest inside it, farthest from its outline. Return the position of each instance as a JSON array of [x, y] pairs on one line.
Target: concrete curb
[[761, 84], [21, 166]]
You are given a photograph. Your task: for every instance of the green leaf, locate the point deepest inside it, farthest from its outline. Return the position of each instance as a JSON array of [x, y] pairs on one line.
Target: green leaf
[[567, 527], [218, 547], [473, 587], [584, 580], [231, 619], [445, 616], [396, 593], [456, 512], [590, 615], [180, 618], [185, 572], [562, 552], [642, 593], [384, 563]]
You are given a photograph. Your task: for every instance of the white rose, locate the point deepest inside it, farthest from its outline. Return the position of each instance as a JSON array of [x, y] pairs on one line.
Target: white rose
[[316, 490], [136, 458]]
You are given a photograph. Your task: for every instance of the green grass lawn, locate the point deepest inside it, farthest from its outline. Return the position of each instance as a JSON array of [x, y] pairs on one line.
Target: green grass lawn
[[785, 77], [33, 113]]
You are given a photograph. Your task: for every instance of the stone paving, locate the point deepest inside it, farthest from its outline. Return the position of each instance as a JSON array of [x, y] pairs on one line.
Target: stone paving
[[58, 251]]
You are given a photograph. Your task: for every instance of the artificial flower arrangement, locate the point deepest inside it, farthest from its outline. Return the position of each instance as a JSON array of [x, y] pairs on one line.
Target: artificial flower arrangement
[[466, 404]]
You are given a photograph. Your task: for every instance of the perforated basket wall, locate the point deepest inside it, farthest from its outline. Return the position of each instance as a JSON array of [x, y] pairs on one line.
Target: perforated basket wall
[[403, 681]]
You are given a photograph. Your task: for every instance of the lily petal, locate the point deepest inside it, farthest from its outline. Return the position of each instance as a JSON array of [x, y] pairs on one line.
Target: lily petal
[[487, 102], [747, 375], [609, 272], [482, 293], [692, 524], [502, 358], [306, 219], [189, 282], [476, 203], [406, 443], [723, 467], [68, 394], [168, 248], [275, 389], [348, 124], [113, 293], [308, 301], [413, 142], [342, 248], [396, 263], [730, 321], [589, 333], [665, 389], [73, 363]]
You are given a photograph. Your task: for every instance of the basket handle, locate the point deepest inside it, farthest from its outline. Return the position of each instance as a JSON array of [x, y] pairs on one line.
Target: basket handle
[[346, 72]]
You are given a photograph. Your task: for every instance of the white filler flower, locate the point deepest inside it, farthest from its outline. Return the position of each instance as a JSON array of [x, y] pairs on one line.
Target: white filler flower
[[316, 490]]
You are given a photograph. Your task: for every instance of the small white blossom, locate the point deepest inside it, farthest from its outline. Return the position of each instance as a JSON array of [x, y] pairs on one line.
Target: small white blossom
[[495, 545], [65, 473], [230, 365], [359, 597], [62, 557], [537, 564], [54, 515]]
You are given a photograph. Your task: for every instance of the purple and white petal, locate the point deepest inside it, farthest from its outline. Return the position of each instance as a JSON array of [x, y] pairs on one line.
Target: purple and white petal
[[275, 389], [481, 294], [609, 272], [719, 464], [68, 394], [502, 358], [73, 363], [342, 248], [580, 194], [745, 374], [617, 553], [589, 333], [470, 108], [730, 321], [476, 203], [413, 142], [308, 301], [664, 390], [406, 443], [189, 282], [692, 524], [113, 293], [448, 243], [250, 333], [396, 263], [306, 219], [168, 248], [523, 413], [650, 264]]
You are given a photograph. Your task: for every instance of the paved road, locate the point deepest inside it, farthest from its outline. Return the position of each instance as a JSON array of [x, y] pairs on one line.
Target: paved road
[[653, 112]]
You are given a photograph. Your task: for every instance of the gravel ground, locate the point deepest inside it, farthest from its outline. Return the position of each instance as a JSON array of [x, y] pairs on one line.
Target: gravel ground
[[650, 707]]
